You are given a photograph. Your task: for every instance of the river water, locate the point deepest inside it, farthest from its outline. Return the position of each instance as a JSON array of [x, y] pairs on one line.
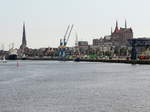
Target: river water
[[51, 86]]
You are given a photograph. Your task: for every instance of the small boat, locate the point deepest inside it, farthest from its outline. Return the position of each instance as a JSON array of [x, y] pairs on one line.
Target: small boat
[[24, 57], [77, 59]]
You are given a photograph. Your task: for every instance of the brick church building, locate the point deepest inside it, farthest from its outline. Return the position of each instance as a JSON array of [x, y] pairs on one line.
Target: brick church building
[[120, 36]]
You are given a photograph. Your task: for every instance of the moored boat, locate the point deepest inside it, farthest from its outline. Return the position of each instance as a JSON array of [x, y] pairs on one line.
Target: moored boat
[[12, 54], [77, 59]]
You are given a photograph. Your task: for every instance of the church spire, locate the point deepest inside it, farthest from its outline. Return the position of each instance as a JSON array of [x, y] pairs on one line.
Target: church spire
[[116, 29], [24, 42], [116, 23]]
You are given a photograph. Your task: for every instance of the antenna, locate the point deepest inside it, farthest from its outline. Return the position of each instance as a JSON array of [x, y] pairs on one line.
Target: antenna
[[125, 23]]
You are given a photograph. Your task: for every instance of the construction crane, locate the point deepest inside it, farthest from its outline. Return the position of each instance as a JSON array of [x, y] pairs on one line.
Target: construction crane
[[77, 52], [64, 42]]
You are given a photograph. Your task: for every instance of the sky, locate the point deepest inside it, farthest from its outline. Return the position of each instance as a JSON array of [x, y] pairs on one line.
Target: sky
[[47, 20]]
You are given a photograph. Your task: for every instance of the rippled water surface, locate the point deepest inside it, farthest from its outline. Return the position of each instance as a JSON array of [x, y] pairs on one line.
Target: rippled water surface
[[51, 86]]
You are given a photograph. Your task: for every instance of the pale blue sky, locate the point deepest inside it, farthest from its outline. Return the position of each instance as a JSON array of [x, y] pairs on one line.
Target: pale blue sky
[[46, 20]]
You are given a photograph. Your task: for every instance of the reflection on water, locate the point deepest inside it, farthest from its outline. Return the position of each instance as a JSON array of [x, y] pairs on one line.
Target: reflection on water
[[51, 86]]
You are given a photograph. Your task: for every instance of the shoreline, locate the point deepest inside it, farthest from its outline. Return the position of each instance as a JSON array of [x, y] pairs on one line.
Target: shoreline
[[93, 60]]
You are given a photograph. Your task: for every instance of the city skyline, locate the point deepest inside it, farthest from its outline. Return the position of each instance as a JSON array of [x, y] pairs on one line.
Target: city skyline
[[46, 21]]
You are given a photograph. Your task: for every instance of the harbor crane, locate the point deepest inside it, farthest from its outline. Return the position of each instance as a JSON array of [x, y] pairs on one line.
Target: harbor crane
[[64, 42]]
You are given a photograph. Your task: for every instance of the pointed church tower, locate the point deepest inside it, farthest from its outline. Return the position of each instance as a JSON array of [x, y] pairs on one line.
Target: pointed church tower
[[116, 29], [24, 42]]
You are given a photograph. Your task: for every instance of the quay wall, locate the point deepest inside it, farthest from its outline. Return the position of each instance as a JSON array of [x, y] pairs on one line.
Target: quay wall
[[94, 60]]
